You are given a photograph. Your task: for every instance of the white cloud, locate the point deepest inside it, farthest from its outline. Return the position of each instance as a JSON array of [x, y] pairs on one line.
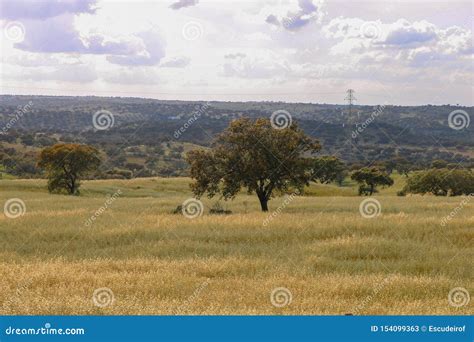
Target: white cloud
[[152, 52], [417, 43], [175, 62], [293, 15]]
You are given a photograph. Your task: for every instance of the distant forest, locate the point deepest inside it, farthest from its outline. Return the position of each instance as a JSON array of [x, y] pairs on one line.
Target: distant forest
[[143, 140]]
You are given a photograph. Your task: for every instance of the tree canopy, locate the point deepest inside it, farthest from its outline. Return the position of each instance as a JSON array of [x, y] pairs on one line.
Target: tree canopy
[[441, 182], [328, 169], [369, 178], [254, 155], [66, 164]]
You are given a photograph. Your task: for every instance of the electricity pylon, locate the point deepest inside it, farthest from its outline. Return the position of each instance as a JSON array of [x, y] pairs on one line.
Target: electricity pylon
[[350, 98]]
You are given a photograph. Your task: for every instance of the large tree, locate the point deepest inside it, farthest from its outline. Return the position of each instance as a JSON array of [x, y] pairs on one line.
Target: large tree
[[254, 155], [369, 178], [66, 164]]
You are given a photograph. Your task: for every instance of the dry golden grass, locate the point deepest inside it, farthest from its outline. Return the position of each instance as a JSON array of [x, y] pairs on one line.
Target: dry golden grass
[[331, 259]]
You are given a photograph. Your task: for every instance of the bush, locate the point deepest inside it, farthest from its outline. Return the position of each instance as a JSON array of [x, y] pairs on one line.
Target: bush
[[441, 182], [178, 210], [217, 209], [401, 193]]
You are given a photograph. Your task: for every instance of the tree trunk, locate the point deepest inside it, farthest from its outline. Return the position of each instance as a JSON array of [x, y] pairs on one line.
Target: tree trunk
[[74, 188], [70, 188], [74, 185], [263, 200]]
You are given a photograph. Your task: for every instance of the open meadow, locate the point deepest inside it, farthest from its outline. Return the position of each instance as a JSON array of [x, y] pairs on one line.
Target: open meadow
[[319, 248]]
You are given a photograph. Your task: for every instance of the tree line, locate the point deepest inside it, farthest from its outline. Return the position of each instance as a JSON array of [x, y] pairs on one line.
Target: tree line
[[250, 154]]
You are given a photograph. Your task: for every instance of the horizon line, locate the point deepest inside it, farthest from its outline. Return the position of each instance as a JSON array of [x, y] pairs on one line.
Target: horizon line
[[241, 101]]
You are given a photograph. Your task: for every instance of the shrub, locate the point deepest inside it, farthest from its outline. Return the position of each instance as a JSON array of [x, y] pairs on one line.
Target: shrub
[[217, 209], [441, 182]]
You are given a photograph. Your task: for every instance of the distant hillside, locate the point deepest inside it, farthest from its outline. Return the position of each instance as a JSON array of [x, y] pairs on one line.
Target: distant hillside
[[143, 139]]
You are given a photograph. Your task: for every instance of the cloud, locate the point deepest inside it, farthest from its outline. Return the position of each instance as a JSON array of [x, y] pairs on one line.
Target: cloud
[[176, 62], [100, 45], [347, 28], [183, 3], [405, 34], [58, 35], [295, 19], [40, 9], [152, 53], [419, 41], [32, 60], [260, 66], [272, 19], [53, 35], [50, 28], [424, 56]]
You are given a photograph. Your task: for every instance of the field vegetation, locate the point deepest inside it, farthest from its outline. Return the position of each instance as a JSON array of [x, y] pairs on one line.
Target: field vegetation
[[318, 246]]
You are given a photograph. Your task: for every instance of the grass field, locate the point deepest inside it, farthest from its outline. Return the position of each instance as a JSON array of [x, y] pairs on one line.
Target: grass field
[[327, 256]]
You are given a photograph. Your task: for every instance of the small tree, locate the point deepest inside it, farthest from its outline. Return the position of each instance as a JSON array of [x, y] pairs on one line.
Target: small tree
[[328, 169], [65, 164], [370, 178], [256, 156]]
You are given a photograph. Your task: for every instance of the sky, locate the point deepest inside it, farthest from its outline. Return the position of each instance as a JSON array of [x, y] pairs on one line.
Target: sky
[[389, 52]]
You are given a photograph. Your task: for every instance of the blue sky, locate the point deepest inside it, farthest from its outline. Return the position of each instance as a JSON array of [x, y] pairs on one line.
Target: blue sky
[[390, 52]]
